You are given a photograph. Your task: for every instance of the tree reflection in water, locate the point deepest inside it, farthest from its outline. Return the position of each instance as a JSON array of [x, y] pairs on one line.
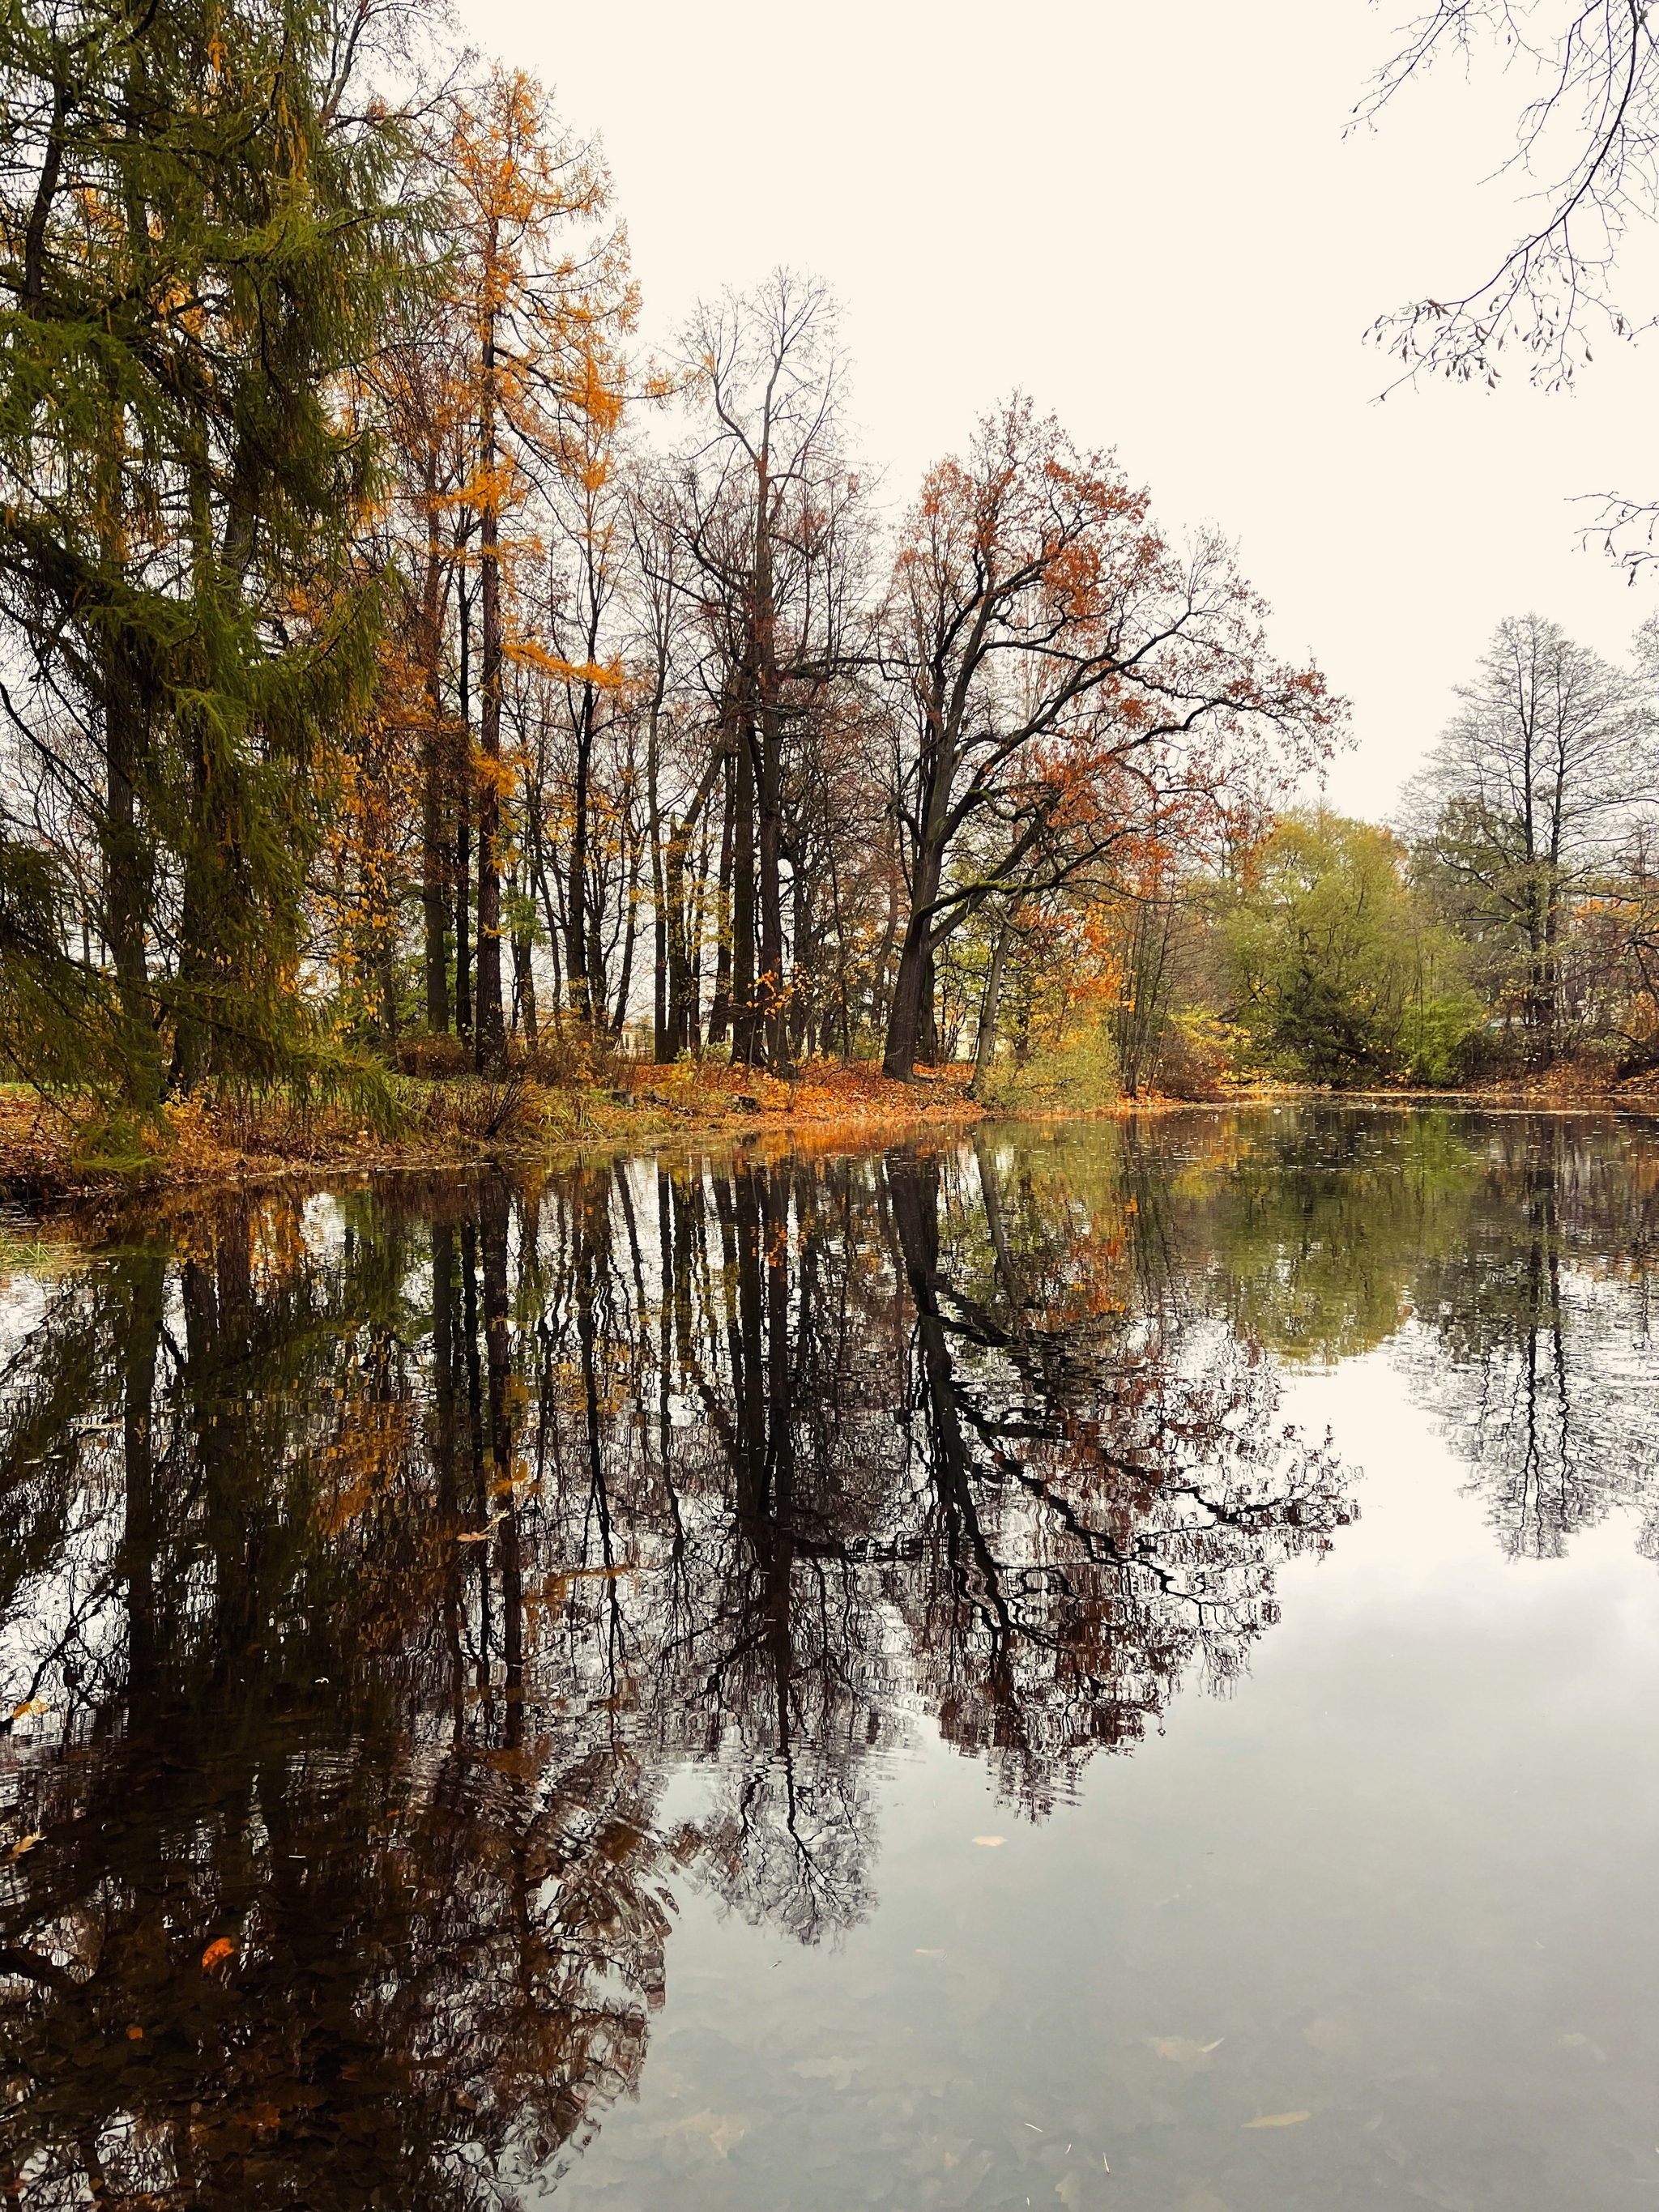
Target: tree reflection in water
[[1536, 1344], [1510, 1259], [368, 1564]]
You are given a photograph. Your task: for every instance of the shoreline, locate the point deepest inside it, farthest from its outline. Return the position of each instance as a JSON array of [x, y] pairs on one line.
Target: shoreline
[[842, 1108]]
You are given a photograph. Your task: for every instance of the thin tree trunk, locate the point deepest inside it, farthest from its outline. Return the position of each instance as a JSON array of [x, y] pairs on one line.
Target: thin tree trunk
[[664, 1043], [463, 831], [489, 1042], [985, 1045], [432, 856], [719, 1010], [744, 1010], [580, 960]]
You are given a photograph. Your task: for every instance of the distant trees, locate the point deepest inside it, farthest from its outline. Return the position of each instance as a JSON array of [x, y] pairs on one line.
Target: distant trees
[[1525, 815], [1339, 970]]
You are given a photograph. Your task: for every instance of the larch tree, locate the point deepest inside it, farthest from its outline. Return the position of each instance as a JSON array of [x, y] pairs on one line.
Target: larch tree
[[543, 284]]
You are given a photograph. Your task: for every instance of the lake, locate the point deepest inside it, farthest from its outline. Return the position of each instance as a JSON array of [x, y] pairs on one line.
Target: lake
[[1109, 1665]]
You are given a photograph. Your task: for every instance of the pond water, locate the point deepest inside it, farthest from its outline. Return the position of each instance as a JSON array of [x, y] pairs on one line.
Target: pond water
[[1109, 1666]]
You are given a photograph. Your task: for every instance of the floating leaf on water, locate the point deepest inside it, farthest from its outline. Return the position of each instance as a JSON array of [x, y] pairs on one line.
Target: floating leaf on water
[[24, 1843], [482, 1536], [34, 1705], [720, 2131], [991, 1843], [1183, 2048], [1278, 2120], [222, 1948]]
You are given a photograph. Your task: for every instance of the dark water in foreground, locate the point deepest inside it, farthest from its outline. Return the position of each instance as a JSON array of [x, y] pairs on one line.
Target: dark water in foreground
[[1109, 1667]]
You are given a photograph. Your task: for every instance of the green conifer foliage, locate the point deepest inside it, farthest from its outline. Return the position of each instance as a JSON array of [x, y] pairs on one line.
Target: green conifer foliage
[[200, 243]]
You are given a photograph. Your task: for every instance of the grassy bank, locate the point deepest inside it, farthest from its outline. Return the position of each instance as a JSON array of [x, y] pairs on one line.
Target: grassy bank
[[57, 1148], [54, 1149]]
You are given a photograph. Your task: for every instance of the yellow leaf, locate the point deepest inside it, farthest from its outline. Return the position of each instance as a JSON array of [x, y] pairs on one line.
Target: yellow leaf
[[1278, 2120], [991, 1843], [1184, 2047], [220, 1949], [24, 1843]]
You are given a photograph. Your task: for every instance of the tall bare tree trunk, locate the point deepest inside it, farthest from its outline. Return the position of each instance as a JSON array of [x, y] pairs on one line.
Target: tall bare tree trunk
[[744, 1010], [464, 782], [580, 966], [985, 1048], [489, 1042], [720, 1009], [432, 781]]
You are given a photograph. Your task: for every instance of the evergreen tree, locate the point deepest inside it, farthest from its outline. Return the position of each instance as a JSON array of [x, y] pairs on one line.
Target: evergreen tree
[[200, 234]]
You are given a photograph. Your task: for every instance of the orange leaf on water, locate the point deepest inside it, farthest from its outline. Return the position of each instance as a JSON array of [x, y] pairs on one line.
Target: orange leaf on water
[[220, 1949]]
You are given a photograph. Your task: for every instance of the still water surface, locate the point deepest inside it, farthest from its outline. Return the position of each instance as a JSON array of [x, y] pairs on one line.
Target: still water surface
[[1108, 1667]]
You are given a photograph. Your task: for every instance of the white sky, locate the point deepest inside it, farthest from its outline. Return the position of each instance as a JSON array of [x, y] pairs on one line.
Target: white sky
[[1147, 217]]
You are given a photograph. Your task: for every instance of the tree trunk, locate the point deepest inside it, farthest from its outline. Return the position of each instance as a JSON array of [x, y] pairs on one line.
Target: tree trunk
[[985, 1045], [625, 981], [719, 1010], [672, 1035], [744, 1008], [691, 1037], [663, 1044], [126, 891], [580, 970], [489, 1042], [463, 832], [910, 1020], [432, 779]]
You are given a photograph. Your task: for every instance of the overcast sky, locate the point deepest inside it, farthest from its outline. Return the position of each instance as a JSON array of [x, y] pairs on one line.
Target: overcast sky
[[1150, 219]]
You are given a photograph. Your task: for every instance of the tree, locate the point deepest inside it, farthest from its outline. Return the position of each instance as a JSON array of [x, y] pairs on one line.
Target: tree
[[1529, 793], [1592, 127], [1053, 661], [541, 314], [1597, 72], [1340, 974], [773, 520], [202, 239]]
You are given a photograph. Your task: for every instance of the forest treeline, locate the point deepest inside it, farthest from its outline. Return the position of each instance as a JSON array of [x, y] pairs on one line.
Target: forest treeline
[[402, 669]]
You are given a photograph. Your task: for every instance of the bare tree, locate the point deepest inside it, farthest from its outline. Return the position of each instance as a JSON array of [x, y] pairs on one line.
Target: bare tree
[[1588, 141], [1530, 792]]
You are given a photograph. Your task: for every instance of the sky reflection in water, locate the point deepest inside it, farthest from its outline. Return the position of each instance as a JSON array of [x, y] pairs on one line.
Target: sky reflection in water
[[574, 1644]]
